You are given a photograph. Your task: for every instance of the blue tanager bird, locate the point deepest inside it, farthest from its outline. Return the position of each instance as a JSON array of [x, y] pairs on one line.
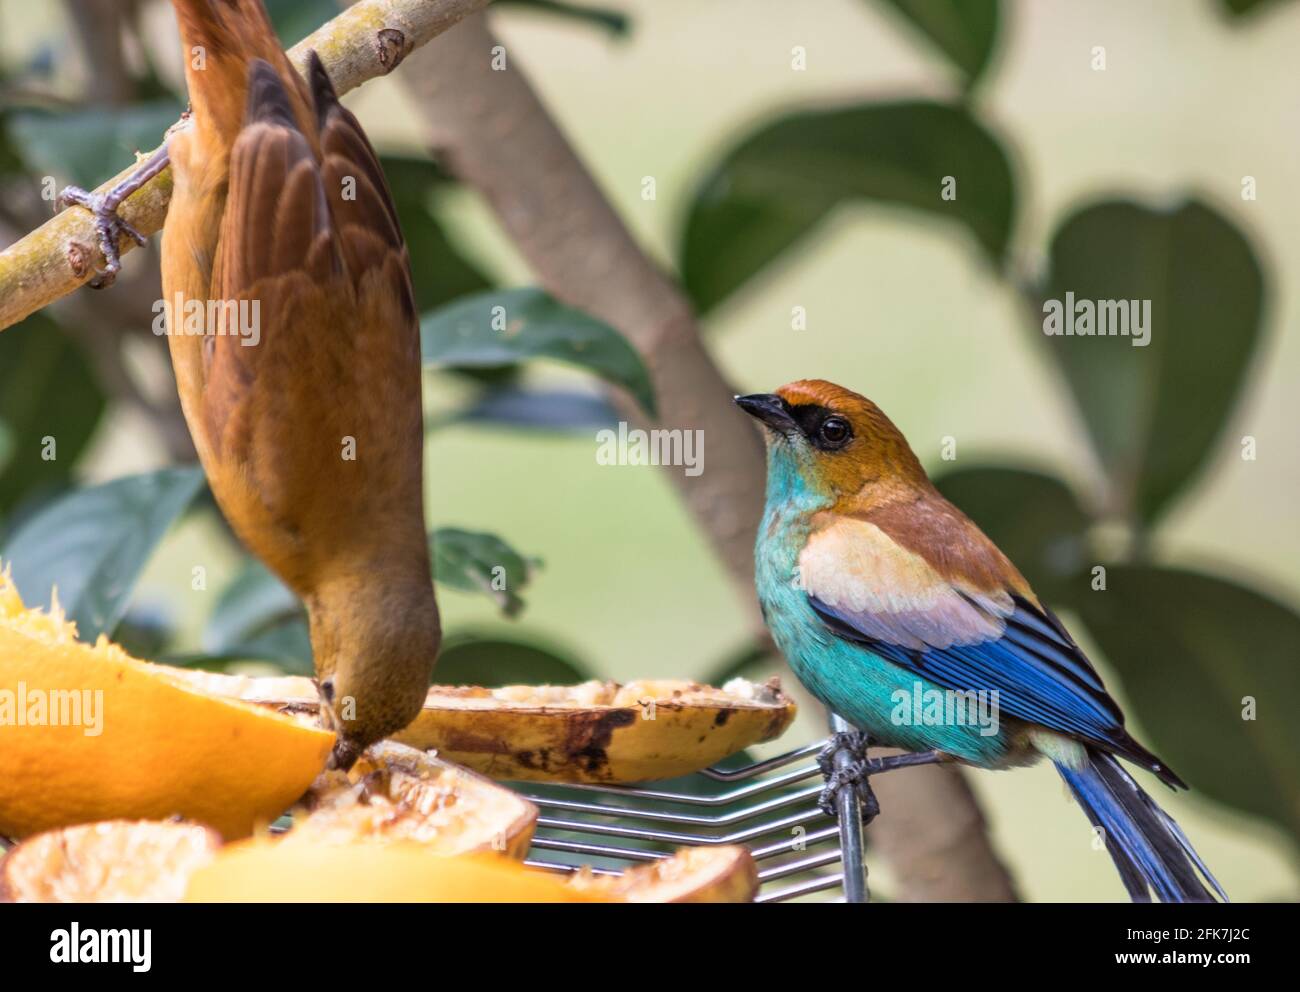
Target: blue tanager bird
[[880, 593]]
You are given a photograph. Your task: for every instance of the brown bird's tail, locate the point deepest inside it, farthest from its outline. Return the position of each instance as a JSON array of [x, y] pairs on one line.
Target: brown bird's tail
[[220, 38]]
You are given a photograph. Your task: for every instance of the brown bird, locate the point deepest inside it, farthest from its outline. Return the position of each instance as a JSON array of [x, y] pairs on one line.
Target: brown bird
[[304, 405]]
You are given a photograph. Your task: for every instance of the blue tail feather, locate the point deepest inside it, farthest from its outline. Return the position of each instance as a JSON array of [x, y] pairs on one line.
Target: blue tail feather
[[1147, 846]]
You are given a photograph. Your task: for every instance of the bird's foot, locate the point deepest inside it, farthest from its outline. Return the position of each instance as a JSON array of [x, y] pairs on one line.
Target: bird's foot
[[906, 760], [111, 227], [845, 765], [854, 777], [854, 742]]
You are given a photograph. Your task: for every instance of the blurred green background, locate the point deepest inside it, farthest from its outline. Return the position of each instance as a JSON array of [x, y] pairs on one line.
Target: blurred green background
[[908, 307]]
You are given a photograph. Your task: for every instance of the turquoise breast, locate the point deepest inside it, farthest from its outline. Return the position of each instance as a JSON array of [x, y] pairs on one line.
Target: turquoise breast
[[891, 704]]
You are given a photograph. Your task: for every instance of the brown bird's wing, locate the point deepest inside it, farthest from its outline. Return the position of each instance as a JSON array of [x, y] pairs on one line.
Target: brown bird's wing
[[220, 38], [292, 415], [277, 253]]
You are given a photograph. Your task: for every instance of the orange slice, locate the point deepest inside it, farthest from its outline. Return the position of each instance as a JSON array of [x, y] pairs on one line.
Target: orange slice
[[397, 793], [114, 861], [693, 874], [90, 733]]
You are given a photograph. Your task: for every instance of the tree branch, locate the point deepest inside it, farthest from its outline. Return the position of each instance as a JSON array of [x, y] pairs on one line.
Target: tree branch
[[369, 39], [493, 131]]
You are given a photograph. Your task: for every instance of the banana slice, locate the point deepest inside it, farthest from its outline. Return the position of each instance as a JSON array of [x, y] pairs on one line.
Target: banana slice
[[598, 731]]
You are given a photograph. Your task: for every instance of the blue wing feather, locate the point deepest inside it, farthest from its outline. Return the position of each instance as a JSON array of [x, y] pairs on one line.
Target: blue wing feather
[[1039, 673]]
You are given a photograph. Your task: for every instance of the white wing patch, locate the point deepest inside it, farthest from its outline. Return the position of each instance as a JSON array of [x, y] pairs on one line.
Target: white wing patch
[[893, 595]]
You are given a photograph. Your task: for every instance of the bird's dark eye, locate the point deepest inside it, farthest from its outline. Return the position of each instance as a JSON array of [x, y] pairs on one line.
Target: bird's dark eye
[[834, 432]]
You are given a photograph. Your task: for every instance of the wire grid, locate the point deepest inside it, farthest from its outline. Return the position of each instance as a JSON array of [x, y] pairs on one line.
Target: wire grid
[[769, 806]]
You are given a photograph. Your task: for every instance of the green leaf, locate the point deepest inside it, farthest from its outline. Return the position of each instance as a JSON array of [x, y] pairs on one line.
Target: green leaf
[[1034, 518], [550, 409], [440, 274], [1154, 412], [963, 30], [774, 186], [731, 237], [494, 662], [144, 633], [287, 645], [257, 616], [10, 163], [1191, 649], [415, 176], [87, 147], [478, 562], [38, 362], [1245, 9], [295, 19], [6, 446], [93, 543], [614, 21], [254, 601], [510, 326]]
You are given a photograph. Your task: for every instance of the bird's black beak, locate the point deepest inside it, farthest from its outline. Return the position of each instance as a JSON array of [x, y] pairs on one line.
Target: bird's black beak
[[345, 754], [773, 411]]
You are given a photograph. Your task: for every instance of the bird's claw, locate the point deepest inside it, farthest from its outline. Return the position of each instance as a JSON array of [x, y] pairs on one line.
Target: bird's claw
[[853, 741], [852, 774], [109, 226], [857, 778], [857, 771]]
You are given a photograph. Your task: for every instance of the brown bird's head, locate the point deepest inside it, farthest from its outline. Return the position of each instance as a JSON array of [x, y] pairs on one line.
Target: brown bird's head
[[828, 441], [375, 645]]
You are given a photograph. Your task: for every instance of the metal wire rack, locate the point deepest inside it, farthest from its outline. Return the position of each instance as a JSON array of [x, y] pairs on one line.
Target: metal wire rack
[[770, 806]]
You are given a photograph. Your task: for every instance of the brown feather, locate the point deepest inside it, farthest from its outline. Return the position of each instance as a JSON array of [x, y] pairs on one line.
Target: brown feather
[[950, 541], [259, 214], [878, 478]]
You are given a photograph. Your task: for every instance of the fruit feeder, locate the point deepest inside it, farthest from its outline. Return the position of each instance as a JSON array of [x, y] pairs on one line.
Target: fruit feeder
[[770, 806], [227, 823]]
